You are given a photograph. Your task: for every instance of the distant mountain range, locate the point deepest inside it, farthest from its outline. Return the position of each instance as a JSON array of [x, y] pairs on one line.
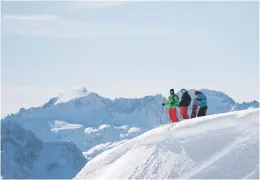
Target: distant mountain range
[[91, 122]]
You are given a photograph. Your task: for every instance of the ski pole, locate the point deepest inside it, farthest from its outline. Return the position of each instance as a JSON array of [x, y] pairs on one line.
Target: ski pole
[[161, 116]]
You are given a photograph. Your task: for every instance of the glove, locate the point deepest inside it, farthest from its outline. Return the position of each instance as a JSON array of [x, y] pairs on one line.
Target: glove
[[163, 104]]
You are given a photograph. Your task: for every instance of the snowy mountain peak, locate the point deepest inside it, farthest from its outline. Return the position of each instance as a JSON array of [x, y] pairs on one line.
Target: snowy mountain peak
[[66, 97], [71, 95]]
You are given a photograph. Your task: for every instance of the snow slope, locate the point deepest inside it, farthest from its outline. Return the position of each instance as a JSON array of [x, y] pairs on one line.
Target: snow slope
[[23, 155], [223, 146]]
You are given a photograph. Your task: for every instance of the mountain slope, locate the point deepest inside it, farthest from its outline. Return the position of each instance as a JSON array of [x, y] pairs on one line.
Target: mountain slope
[[69, 116], [95, 124], [23, 155], [246, 105], [218, 146], [82, 107]]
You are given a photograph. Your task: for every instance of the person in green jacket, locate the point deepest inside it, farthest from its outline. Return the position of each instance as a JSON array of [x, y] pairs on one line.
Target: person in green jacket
[[172, 103]]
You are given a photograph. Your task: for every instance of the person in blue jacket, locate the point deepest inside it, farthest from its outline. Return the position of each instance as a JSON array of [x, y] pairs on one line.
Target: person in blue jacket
[[202, 103]]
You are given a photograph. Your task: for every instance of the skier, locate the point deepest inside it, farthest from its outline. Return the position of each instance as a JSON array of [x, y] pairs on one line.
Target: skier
[[202, 102], [194, 108], [184, 103], [172, 103]]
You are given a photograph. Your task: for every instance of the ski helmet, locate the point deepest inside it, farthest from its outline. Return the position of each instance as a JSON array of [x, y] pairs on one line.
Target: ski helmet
[[196, 92], [183, 90], [171, 90]]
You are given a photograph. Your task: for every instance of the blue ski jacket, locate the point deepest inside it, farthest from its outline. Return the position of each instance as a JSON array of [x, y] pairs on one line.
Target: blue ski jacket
[[202, 99]]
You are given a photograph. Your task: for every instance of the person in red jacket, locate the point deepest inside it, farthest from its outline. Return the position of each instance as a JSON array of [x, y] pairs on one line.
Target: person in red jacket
[[184, 104]]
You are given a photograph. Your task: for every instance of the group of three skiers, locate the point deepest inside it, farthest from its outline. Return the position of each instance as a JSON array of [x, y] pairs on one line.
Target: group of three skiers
[[173, 102]]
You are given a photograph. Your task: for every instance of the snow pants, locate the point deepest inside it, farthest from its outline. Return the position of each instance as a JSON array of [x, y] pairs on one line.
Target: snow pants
[[184, 112], [173, 115], [202, 111], [194, 111]]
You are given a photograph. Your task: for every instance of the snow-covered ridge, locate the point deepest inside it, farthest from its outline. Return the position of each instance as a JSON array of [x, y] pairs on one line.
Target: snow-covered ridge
[[68, 96], [246, 105], [71, 95], [182, 151]]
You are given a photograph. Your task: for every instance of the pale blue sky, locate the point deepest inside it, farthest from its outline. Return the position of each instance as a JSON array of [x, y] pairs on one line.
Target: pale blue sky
[[120, 49]]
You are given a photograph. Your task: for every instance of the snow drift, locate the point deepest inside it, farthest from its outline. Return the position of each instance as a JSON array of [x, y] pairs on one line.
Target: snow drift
[[223, 146]]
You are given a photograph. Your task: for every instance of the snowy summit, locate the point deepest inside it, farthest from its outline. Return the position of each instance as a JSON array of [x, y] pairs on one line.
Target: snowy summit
[[72, 95]]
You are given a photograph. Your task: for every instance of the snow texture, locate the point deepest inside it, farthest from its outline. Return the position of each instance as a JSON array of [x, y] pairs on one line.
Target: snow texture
[[223, 146]]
